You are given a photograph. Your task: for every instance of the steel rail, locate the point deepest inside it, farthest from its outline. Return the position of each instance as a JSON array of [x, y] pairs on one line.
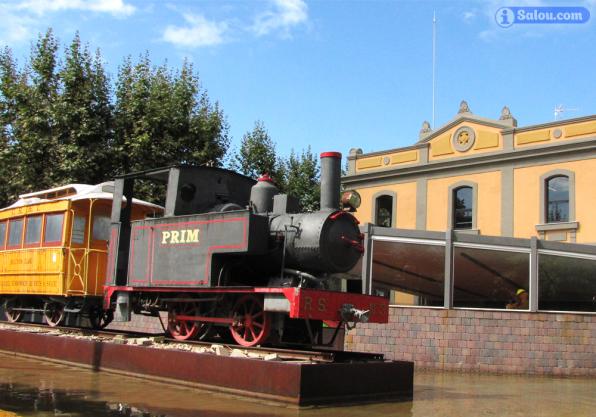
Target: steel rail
[[285, 354]]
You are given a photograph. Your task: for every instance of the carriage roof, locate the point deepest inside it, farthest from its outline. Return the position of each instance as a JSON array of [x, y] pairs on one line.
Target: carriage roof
[[75, 192]]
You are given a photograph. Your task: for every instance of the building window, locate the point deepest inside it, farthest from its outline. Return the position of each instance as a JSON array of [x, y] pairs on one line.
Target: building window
[[384, 211], [557, 199], [463, 208]]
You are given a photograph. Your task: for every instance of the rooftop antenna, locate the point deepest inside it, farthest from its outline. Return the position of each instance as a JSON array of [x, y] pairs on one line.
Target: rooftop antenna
[[562, 109], [434, 62]]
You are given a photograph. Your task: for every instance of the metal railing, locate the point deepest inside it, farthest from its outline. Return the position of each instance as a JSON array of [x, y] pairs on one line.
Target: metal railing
[[556, 276]]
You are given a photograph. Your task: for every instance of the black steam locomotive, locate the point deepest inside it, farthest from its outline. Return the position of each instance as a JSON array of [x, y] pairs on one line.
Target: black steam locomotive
[[235, 257]]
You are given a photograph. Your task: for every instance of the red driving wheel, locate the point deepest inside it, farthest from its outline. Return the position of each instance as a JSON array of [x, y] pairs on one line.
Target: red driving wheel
[[251, 322], [183, 329]]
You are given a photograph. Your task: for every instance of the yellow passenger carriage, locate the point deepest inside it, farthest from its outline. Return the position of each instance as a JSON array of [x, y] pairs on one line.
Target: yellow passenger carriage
[[53, 252]]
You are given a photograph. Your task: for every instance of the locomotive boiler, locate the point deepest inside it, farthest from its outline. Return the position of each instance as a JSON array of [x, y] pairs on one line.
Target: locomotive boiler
[[234, 257]]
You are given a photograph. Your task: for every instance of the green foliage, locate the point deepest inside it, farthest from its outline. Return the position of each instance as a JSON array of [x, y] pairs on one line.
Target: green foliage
[[61, 122], [257, 155], [303, 179], [84, 117], [35, 126], [297, 175]]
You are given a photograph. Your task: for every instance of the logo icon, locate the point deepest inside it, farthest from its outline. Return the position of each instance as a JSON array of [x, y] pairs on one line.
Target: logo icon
[[505, 17]]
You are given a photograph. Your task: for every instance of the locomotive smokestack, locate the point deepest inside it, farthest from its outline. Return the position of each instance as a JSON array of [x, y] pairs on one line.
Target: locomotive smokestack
[[330, 180]]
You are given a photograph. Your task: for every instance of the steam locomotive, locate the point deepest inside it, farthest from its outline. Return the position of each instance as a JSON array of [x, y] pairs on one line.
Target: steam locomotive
[[234, 257]]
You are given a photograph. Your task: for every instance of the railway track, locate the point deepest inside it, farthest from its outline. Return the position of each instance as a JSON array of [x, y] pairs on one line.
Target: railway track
[[159, 341]]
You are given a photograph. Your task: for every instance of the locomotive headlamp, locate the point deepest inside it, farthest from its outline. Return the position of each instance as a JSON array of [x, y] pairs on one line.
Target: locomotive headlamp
[[350, 200]]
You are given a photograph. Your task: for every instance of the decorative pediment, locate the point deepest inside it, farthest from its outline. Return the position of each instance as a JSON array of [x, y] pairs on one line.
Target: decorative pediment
[[465, 136]]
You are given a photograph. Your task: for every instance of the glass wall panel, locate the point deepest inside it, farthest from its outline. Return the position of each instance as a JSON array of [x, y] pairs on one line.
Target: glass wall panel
[[485, 278], [566, 283], [409, 273]]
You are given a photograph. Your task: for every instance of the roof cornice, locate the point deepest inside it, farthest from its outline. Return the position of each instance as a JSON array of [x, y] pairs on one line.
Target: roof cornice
[[475, 160]]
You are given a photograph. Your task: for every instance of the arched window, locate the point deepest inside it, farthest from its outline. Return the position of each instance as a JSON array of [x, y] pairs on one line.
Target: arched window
[[557, 199], [384, 211], [463, 207]]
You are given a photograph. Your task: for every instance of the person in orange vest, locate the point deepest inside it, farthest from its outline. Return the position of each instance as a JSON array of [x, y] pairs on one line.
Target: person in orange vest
[[522, 300]]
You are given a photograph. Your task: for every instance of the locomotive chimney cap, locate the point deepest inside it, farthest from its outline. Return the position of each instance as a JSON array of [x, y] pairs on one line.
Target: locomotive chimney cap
[[331, 155], [265, 177]]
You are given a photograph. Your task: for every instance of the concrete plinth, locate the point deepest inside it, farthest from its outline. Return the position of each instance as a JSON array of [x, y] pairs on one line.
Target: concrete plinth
[[298, 383]]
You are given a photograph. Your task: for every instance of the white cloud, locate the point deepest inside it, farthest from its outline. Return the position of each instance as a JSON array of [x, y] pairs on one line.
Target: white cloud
[[15, 27], [469, 16], [284, 15], [114, 7], [22, 20], [199, 32]]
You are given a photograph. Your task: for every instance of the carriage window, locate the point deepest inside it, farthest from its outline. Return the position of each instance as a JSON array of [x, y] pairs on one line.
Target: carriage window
[[78, 230], [101, 228], [463, 208], [15, 233], [33, 230], [557, 199], [54, 228], [2, 234]]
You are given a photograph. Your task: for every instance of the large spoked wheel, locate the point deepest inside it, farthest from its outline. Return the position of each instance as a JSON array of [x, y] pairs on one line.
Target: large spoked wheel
[[10, 310], [183, 329], [251, 323], [54, 313], [100, 318]]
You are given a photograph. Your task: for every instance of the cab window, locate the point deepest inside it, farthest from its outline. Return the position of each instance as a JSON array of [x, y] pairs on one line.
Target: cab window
[[2, 234], [33, 230], [15, 233], [53, 233]]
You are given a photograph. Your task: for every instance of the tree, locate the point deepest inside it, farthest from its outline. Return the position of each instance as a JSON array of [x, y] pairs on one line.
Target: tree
[[61, 122], [257, 155], [162, 117], [303, 179], [9, 97], [36, 150], [84, 117]]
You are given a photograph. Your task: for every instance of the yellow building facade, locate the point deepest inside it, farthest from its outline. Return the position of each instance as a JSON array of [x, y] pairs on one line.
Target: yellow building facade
[[485, 176]]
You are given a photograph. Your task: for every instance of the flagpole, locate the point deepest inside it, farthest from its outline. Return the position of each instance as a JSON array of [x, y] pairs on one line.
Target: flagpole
[[434, 61]]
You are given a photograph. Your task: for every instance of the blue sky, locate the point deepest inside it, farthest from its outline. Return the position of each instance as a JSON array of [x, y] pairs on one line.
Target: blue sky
[[337, 74]]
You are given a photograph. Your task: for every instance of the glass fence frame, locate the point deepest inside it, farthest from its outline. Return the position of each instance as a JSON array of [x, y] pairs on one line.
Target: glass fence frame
[[496, 248], [410, 240], [453, 239]]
